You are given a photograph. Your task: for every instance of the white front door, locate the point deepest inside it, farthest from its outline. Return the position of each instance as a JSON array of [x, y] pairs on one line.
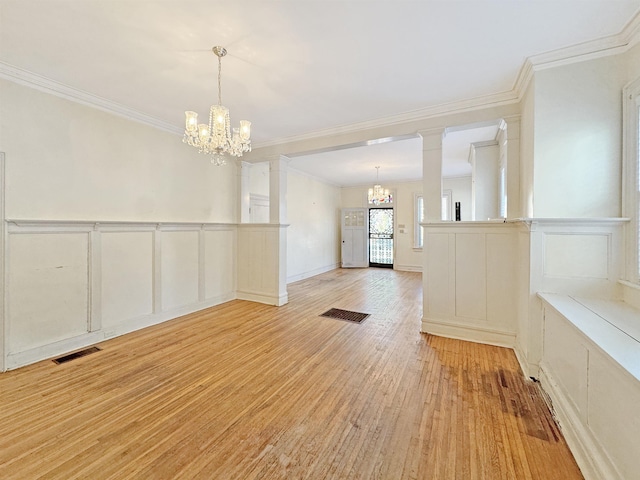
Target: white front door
[[355, 242]]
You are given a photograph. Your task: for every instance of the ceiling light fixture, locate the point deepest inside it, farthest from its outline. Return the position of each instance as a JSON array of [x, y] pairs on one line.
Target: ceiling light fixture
[[377, 194], [215, 139]]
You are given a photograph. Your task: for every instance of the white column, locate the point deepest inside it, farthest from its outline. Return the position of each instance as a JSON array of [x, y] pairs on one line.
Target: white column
[[432, 173], [514, 208], [244, 191], [278, 189]]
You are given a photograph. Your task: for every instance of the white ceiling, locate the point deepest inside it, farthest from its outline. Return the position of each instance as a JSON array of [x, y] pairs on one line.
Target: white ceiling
[[295, 66]]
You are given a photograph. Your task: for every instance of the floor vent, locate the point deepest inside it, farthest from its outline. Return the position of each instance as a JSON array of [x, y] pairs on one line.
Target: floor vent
[[73, 356], [348, 315]]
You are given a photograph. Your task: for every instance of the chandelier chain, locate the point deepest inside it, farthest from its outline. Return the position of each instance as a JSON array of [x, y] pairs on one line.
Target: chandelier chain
[[219, 80]]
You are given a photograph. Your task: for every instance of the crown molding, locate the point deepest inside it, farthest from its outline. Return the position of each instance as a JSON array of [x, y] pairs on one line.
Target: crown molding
[[601, 47], [43, 84], [477, 103]]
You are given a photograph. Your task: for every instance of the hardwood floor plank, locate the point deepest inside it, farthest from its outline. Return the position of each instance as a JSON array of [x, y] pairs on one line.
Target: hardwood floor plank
[[250, 391]]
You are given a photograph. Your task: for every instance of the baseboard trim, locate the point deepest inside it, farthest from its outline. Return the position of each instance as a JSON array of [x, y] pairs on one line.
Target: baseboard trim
[[277, 300], [528, 369], [470, 333], [591, 458], [312, 273], [408, 268], [45, 352]]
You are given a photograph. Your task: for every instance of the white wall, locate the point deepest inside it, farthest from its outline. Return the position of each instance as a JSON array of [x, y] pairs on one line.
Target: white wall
[[485, 186], [578, 115], [313, 235], [406, 257], [259, 178], [460, 192], [67, 161]]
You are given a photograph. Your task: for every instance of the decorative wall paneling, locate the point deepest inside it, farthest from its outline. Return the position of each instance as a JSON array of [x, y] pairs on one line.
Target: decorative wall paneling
[[262, 263], [582, 257], [482, 278], [591, 370], [72, 284], [470, 281]]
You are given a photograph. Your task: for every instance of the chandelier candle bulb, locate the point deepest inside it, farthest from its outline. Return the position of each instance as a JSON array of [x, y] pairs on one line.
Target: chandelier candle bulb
[[191, 121], [216, 138], [245, 129], [203, 132]]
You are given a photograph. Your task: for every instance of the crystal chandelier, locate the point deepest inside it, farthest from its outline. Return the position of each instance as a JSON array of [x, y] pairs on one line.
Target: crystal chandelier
[[377, 194], [215, 139]]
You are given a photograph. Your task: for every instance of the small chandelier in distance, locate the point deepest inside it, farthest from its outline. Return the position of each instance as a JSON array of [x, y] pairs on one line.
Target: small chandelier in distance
[[215, 139], [377, 194]]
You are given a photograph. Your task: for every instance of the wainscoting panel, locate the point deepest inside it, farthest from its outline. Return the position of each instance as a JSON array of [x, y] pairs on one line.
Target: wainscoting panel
[[48, 288], [470, 281], [569, 256], [577, 255], [262, 273], [73, 284], [471, 276], [502, 279], [127, 276], [437, 274], [614, 397], [219, 263], [179, 264], [590, 372], [565, 352]]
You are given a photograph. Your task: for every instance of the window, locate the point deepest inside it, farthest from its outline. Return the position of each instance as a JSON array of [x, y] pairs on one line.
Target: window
[[417, 218], [631, 178]]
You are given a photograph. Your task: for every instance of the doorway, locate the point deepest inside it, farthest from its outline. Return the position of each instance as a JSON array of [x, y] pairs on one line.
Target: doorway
[[381, 237]]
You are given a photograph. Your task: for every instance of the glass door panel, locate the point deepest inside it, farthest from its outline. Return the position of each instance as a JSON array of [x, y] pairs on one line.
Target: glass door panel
[[381, 237]]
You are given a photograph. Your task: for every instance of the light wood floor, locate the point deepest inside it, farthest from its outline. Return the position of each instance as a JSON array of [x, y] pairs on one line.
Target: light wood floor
[[248, 391]]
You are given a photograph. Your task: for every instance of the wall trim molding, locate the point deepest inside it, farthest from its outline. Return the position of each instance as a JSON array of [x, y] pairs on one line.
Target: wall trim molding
[[44, 352], [452, 108], [469, 333], [260, 297], [43, 225], [590, 50], [313, 273], [408, 268], [46, 85], [605, 46]]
